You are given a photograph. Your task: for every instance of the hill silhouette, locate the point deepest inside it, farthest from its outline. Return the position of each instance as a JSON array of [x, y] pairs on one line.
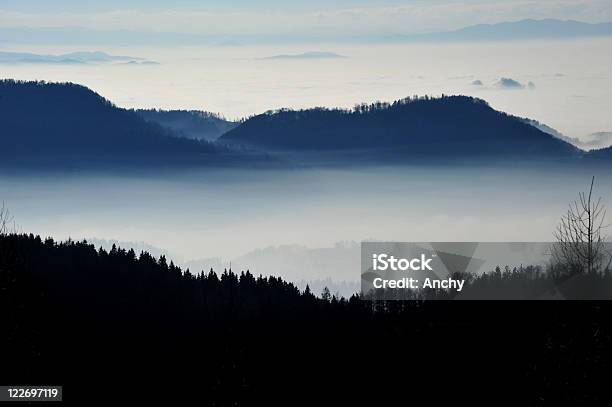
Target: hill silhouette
[[192, 124], [68, 126], [600, 157], [420, 128], [84, 317], [63, 125], [81, 57]]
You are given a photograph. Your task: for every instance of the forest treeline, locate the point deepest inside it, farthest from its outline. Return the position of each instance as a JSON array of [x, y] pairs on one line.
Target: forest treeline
[[552, 282], [85, 317]]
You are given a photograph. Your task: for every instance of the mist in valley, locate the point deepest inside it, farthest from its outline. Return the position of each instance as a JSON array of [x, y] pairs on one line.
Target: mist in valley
[[302, 225]]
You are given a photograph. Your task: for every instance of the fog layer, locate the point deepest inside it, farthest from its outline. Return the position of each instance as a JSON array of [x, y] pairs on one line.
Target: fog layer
[[277, 222]]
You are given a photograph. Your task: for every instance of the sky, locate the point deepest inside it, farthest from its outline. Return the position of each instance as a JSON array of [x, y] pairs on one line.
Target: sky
[[275, 17]]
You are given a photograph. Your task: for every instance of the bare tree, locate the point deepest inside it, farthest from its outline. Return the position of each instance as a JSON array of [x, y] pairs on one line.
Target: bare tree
[[580, 235], [6, 220]]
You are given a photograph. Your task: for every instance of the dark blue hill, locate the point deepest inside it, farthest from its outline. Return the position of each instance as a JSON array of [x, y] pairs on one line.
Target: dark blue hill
[[63, 125], [427, 128], [192, 124]]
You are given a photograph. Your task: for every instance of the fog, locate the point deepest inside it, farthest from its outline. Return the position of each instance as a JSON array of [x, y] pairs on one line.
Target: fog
[[279, 222], [571, 78]]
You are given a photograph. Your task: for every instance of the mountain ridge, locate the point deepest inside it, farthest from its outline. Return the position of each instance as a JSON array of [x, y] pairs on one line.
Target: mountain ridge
[[526, 29], [504, 30], [449, 126], [193, 124], [80, 57], [64, 125]]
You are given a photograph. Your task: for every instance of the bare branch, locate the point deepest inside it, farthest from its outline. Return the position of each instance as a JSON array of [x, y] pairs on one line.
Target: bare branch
[[580, 235], [5, 219]]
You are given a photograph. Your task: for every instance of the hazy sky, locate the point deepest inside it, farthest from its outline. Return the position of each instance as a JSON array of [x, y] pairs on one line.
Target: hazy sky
[[276, 17]]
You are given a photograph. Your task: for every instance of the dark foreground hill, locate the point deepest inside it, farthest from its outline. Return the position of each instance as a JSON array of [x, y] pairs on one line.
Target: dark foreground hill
[[192, 124], [454, 127], [114, 326], [62, 125]]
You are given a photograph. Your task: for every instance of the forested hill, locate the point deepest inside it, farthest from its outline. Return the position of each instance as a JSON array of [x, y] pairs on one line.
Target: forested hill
[[78, 316], [63, 125], [443, 127], [67, 125], [193, 124], [602, 155]]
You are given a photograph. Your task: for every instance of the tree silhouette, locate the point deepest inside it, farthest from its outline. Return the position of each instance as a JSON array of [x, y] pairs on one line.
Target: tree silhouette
[[326, 295], [6, 220], [580, 235]]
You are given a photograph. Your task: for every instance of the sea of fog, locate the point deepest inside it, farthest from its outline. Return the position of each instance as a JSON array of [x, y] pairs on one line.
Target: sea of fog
[[303, 225], [572, 80]]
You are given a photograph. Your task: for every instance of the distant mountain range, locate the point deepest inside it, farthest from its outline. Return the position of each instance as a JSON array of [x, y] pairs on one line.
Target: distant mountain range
[[308, 55], [594, 141], [297, 263], [62, 125], [193, 124], [517, 30], [82, 36], [501, 31], [70, 58]]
